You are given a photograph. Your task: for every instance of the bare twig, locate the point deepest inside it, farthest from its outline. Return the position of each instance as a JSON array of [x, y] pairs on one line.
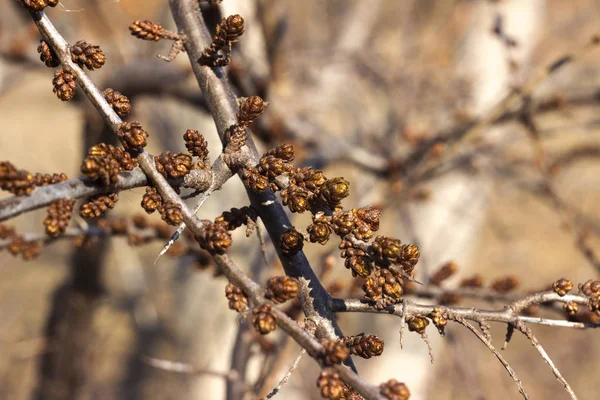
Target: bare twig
[[186, 368], [489, 345], [287, 375]]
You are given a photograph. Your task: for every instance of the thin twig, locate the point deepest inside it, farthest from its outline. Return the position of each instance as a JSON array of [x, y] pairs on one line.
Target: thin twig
[[527, 332], [287, 375], [489, 345], [186, 368]]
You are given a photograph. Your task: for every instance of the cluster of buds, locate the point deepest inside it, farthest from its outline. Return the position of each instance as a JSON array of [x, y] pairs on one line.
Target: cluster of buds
[[236, 297], [214, 238], [236, 217], [169, 211], [117, 101], [21, 182], [356, 259], [47, 55], [365, 346], [263, 319], [152, 31], [133, 136], [592, 290], [394, 390], [562, 286], [228, 31], [104, 162], [383, 287], [249, 110], [334, 351], [59, 215], [417, 323], [38, 5], [64, 83], [439, 320], [88, 55], [332, 387], [99, 205], [391, 251], [18, 245], [281, 289], [505, 285], [198, 147], [173, 165], [291, 242]]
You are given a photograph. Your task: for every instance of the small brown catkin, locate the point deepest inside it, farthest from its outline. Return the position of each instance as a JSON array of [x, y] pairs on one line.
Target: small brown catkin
[[196, 144], [263, 319], [147, 30], [334, 351], [47, 55], [173, 165], [171, 213], [133, 136], [281, 289], [443, 273], [64, 84], [117, 102], [291, 242], [365, 346], [236, 297], [562, 286], [97, 206], [59, 215], [215, 238], [394, 390], [417, 324], [151, 201], [104, 162], [250, 109], [505, 285], [16, 181], [331, 386], [88, 55]]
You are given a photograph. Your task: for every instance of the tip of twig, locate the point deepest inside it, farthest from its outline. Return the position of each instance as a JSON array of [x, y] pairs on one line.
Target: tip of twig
[[167, 246]]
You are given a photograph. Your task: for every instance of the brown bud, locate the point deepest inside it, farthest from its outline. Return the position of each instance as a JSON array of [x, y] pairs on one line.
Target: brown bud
[[263, 319], [117, 101], [443, 273], [281, 289], [320, 230], [237, 299], [98, 205], [7, 232], [15, 181], [152, 200], [214, 238], [254, 180], [360, 265], [284, 151], [365, 346], [383, 288], [387, 250], [59, 215], [571, 308], [296, 199], [343, 222], [562, 286], [271, 166], [104, 162], [88, 55], [370, 216], [133, 136], [334, 191], [173, 165], [417, 323], [250, 109], [505, 285], [64, 84], [439, 320], [38, 5], [196, 145], [147, 30], [291, 242], [171, 213], [331, 386], [590, 288], [47, 55], [333, 352], [475, 281], [232, 27], [394, 390]]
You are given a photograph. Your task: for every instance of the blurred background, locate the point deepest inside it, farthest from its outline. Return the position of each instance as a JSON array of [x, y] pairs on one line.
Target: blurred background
[[400, 98]]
